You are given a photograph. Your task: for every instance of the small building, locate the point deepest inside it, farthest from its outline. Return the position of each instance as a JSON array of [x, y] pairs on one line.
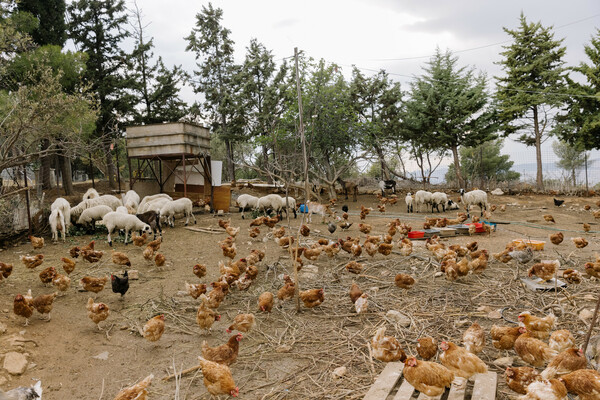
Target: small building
[[174, 158]]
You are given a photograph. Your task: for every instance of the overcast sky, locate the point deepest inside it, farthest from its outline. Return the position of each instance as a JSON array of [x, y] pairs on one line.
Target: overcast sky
[[395, 35]]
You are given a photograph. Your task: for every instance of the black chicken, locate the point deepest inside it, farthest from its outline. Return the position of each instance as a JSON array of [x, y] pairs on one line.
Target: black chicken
[[558, 203], [345, 208], [120, 285], [331, 227]]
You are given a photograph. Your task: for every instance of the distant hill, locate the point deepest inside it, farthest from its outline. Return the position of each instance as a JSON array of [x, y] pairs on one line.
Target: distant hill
[[528, 172]]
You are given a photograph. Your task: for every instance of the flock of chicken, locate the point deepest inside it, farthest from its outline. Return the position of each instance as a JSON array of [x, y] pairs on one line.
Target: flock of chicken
[[565, 366]]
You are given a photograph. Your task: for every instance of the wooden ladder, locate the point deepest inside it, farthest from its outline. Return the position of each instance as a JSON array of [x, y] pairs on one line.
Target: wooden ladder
[[390, 385]]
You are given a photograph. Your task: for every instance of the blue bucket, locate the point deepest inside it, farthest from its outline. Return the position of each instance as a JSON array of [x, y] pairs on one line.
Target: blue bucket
[[303, 208]]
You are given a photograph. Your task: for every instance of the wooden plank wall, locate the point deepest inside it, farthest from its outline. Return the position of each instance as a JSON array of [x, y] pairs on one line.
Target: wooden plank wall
[[222, 194]]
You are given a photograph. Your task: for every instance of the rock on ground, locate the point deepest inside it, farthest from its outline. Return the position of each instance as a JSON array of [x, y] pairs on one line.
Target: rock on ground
[[15, 363]]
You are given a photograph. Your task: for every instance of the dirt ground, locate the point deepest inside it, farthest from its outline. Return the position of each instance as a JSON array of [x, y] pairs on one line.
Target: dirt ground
[[288, 355]]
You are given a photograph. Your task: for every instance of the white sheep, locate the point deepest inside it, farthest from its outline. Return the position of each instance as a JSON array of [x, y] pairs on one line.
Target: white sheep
[[422, 197], [474, 198], [439, 199], [153, 205], [105, 200], [64, 206], [131, 200], [291, 203], [147, 199], [409, 202], [91, 193], [122, 210], [246, 201], [183, 205], [89, 216], [57, 223], [452, 205], [114, 220], [270, 202]]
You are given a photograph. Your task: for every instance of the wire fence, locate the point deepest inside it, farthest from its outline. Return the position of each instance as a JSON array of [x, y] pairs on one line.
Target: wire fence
[[586, 175]]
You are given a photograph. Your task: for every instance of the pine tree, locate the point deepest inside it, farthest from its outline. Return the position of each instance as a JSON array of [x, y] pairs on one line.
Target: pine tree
[[571, 158], [484, 163], [532, 84], [377, 101], [580, 125], [448, 108], [264, 94], [98, 29], [218, 78], [52, 28], [155, 87]]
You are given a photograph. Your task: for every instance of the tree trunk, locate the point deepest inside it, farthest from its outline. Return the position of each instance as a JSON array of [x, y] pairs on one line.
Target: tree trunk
[[230, 165], [385, 172], [45, 164], [538, 149], [265, 151], [110, 167], [65, 169], [574, 177], [459, 178]]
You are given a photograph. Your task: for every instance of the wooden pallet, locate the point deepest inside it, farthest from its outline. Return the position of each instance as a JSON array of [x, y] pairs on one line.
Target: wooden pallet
[[390, 385]]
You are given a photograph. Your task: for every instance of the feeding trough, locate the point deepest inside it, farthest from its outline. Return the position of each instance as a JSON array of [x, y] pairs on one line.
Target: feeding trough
[[538, 285]]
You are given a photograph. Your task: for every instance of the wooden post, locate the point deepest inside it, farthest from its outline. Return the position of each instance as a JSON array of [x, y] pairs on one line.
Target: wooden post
[[27, 199]]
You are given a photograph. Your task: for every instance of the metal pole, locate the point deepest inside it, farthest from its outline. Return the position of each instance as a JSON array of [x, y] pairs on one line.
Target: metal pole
[[27, 200]]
